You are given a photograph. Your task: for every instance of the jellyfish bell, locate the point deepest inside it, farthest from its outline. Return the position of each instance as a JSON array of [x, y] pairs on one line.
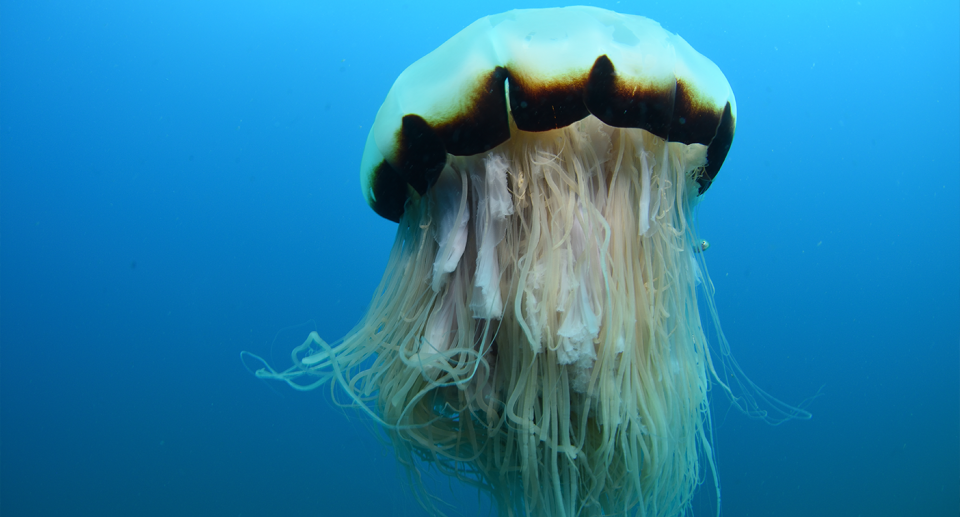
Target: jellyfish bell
[[537, 331], [537, 70]]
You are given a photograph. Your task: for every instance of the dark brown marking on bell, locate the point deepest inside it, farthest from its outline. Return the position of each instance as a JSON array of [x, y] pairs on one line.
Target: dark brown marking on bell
[[389, 192], [483, 123], [694, 121], [620, 103], [718, 149], [421, 154], [542, 107]]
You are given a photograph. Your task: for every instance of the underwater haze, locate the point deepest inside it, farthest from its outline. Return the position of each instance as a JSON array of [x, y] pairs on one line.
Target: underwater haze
[[179, 182]]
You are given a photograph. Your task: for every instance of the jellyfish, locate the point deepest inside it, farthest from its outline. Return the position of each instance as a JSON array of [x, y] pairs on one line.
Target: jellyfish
[[537, 331]]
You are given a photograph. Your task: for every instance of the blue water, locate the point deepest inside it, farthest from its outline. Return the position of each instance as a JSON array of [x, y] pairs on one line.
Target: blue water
[[179, 182]]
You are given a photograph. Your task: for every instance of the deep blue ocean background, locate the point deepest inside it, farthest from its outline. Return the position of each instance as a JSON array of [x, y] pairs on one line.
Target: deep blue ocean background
[[179, 182]]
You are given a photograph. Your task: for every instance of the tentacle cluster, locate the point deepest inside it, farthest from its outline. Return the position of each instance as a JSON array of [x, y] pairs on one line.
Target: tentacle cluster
[[537, 332]]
